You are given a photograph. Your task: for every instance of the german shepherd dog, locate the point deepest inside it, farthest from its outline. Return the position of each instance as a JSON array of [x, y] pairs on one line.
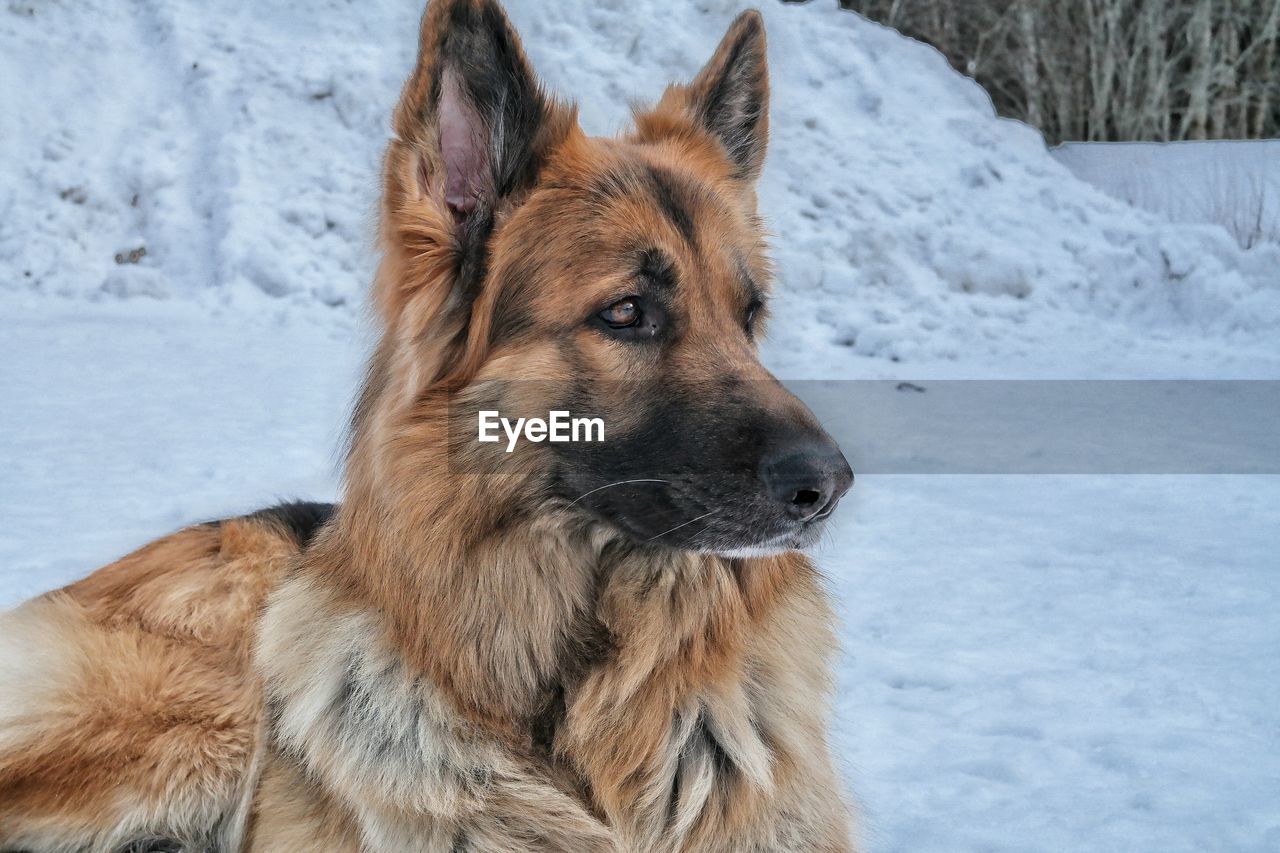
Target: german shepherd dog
[[611, 646]]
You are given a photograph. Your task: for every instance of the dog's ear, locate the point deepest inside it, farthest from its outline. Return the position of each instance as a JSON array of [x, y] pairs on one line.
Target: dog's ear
[[729, 99], [472, 130]]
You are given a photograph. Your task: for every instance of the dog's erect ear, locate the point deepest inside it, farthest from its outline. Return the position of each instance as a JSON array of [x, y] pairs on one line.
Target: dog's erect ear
[[731, 93], [729, 98], [472, 128]]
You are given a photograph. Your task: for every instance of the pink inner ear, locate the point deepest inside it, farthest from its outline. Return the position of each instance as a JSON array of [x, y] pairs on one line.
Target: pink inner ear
[[462, 148]]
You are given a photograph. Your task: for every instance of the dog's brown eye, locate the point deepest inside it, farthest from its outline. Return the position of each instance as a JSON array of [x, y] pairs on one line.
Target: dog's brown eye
[[634, 318], [621, 314]]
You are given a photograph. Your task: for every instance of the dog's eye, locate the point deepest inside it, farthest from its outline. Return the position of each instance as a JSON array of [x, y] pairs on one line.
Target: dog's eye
[[635, 318], [621, 314]]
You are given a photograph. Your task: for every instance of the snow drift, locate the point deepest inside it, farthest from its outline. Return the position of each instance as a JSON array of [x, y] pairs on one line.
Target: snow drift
[[220, 152]]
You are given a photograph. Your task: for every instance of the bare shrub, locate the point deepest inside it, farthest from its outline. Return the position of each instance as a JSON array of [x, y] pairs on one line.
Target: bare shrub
[[1112, 70]]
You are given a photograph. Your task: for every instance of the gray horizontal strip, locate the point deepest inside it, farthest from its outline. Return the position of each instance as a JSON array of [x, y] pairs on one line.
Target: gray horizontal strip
[[1052, 427]]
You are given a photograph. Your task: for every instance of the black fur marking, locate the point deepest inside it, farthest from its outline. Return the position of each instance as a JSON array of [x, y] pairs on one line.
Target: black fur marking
[[587, 643], [663, 188], [300, 519], [339, 705], [720, 431], [670, 198], [700, 737], [509, 514], [547, 721], [673, 797], [512, 313], [719, 756], [755, 293], [734, 104], [478, 44], [359, 715], [152, 844], [616, 184], [657, 268], [472, 271], [737, 568]]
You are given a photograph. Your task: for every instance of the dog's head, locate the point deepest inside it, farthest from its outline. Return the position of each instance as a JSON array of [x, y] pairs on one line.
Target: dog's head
[[531, 268]]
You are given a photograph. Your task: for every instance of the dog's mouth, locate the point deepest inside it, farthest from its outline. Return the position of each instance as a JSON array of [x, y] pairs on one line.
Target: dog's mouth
[[797, 541], [723, 529], [795, 536]]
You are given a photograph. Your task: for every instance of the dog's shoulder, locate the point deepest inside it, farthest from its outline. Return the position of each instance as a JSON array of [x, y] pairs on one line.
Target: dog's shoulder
[[129, 711], [201, 588]]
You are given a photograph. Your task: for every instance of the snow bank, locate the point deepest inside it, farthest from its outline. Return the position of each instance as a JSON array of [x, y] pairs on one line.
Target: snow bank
[[236, 145], [1229, 182], [221, 151]]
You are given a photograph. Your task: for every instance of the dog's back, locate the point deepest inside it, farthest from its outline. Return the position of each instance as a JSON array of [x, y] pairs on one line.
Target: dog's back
[[130, 717]]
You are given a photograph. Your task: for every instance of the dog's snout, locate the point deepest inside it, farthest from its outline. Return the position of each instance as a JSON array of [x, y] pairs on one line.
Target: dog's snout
[[807, 478]]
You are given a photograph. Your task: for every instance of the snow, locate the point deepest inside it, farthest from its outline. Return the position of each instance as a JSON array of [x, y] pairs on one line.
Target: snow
[[1229, 182], [1031, 663], [239, 146], [1062, 663]]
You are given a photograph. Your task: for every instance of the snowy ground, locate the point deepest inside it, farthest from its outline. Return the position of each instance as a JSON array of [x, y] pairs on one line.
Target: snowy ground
[[1032, 663]]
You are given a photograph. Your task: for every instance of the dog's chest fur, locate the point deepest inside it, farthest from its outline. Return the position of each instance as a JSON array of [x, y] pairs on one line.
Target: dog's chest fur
[[661, 718]]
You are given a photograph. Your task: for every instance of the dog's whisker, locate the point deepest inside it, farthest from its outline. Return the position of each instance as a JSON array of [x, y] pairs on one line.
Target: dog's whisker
[[685, 524], [611, 485], [703, 529]]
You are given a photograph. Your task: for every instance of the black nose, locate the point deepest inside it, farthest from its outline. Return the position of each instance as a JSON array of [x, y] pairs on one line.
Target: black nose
[[806, 479]]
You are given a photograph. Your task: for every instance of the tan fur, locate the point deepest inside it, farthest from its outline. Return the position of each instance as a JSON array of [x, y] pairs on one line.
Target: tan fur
[[455, 663], [147, 714]]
